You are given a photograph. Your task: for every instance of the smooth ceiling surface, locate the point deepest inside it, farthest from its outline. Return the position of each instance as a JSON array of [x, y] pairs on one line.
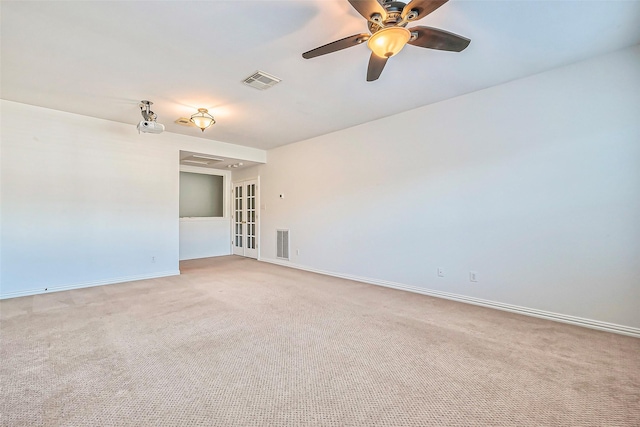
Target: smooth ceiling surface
[[101, 58]]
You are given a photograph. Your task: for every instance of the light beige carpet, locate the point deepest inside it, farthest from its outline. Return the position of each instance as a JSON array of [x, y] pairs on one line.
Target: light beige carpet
[[235, 342]]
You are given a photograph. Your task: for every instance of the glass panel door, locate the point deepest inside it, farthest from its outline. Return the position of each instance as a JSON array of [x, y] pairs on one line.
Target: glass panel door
[[245, 218], [238, 231], [251, 216]]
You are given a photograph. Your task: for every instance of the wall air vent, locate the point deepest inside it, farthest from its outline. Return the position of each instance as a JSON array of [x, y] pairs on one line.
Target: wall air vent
[[261, 80], [282, 238]]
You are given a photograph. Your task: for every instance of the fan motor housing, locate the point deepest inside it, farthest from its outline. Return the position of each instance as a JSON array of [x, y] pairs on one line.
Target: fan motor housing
[[394, 16]]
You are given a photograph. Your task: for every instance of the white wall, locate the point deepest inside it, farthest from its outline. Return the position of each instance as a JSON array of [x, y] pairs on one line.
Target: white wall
[[88, 201], [534, 184], [204, 237]]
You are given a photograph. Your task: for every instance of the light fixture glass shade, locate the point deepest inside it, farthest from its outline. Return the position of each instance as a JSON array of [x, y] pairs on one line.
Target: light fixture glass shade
[[388, 41], [202, 119]]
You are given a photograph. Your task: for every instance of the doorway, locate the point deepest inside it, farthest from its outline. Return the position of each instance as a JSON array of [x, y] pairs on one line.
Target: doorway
[[245, 222]]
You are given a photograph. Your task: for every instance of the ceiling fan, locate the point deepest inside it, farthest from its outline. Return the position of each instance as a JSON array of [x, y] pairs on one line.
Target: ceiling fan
[[387, 20]]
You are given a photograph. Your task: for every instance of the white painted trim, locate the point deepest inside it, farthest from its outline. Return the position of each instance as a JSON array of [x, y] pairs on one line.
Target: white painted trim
[[204, 218], [205, 171], [563, 318], [89, 284]]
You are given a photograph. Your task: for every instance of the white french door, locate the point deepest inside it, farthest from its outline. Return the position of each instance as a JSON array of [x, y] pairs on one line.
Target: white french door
[[245, 218]]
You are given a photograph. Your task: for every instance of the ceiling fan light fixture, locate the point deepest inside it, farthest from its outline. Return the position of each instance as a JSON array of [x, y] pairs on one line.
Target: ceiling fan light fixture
[[202, 119], [387, 42]]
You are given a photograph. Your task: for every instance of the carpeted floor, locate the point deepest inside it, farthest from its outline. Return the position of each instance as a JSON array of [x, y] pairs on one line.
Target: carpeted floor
[[236, 342]]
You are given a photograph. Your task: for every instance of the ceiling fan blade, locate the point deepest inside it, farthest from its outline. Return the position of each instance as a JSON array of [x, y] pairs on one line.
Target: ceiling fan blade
[[434, 38], [422, 7], [367, 8], [344, 43], [376, 65]]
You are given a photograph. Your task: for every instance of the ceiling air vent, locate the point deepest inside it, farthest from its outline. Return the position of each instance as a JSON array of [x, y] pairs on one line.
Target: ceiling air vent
[[201, 160], [261, 80], [184, 121]]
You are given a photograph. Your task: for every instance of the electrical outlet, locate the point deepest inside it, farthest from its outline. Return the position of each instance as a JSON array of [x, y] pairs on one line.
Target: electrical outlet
[[298, 252], [153, 259], [473, 276], [440, 272]]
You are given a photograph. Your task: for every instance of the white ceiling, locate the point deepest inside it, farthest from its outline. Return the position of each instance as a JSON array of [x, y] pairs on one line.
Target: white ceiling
[[101, 58]]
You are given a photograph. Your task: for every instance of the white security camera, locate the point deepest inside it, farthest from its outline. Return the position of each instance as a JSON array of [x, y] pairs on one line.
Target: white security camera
[[148, 126]]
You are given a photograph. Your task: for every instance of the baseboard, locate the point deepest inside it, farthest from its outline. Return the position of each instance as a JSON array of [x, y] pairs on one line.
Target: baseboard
[[88, 284], [564, 318]]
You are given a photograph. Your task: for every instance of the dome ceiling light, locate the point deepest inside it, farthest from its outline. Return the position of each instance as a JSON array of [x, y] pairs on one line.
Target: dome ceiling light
[[202, 119]]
